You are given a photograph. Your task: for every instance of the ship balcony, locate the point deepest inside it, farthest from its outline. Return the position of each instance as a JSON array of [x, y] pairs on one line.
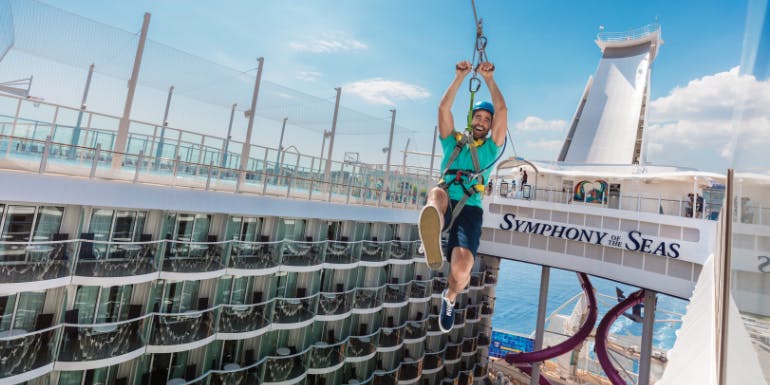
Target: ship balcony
[[410, 371], [294, 312], [480, 370], [487, 309], [459, 318], [326, 358], [284, 367], [237, 376], [192, 261], [180, 332], [300, 256], [477, 282], [368, 300], [335, 306], [254, 258], [362, 348], [126, 263], [469, 346], [400, 253], [86, 347], [390, 339], [465, 377], [483, 340], [490, 279], [433, 362], [472, 314], [24, 356], [383, 377], [453, 353], [439, 285], [340, 253], [415, 331], [47, 264], [244, 321], [396, 294], [420, 291], [374, 253], [432, 325]]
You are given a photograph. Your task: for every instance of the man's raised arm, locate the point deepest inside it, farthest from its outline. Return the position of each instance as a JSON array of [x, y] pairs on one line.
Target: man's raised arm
[[446, 123], [500, 120]]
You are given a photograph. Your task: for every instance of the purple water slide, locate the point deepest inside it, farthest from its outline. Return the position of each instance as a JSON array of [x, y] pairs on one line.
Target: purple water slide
[[570, 343], [603, 331]]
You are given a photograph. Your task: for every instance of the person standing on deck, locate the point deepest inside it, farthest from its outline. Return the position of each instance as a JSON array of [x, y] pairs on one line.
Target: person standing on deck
[[465, 232]]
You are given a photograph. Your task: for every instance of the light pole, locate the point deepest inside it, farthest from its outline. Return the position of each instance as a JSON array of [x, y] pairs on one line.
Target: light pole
[[323, 144], [229, 136], [390, 147], [280, 144]]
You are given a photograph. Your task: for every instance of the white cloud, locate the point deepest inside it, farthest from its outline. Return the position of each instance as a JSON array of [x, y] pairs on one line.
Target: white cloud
[[381, 91], [714, 114], [533, 123], [544, 145], [327, 44], [308, 76]]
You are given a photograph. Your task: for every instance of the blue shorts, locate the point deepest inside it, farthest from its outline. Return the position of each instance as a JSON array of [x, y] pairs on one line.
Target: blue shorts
[[466, 231]]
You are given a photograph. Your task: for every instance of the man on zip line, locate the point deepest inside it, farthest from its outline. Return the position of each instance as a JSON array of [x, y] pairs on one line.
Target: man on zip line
[[464, 226]]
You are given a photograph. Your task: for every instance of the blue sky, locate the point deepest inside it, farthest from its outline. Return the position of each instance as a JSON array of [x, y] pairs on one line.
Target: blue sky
[[400, 54]]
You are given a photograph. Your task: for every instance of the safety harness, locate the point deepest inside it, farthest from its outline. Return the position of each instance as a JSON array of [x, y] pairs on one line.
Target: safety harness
[[451, 176]]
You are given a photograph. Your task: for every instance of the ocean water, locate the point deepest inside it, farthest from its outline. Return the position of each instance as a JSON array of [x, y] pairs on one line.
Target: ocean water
[[517, 293]]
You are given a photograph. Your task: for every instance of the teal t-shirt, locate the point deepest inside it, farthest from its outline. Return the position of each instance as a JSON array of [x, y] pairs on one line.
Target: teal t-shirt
[[487, 153]]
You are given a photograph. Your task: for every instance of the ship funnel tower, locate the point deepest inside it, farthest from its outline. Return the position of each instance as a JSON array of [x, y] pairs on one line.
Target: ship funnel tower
[[608, 127]]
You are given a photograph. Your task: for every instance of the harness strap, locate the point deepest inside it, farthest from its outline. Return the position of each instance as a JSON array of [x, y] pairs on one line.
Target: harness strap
[[475, 175]]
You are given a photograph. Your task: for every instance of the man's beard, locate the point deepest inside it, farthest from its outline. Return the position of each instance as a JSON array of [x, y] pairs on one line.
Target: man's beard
[[479, 134]]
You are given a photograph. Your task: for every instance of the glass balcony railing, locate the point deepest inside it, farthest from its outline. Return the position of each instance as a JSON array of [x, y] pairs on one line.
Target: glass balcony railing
[[415, 330], [410, 369], [421, 289], [193, 257], [293, 310], [453, 351], [248, 255], [382, 377], [335, 303], [476, 280], [369, 298], [31, 262], [100, 341], [185, 328], [374, 251], [469, 345], [245, 318], [284, 368], [21, 352], [439, 285], [400, 251], [396, 293], [324, 355], [483, 339], [472, 313], [391, 337], [487, 309], [301, 253], [362, 346], [242, 376], [341, 253], [433, 361], [433, 324], [108, 259]]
